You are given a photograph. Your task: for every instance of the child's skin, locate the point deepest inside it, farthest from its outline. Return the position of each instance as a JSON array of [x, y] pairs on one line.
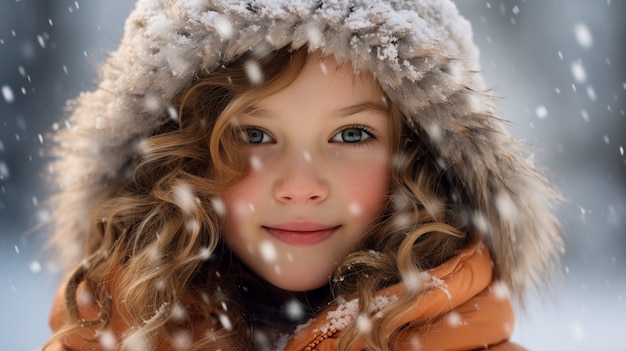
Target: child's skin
[[379, 250], [320, 153]]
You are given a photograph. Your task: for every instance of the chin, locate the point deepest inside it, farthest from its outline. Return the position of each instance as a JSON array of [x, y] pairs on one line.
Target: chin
[[298, 282]]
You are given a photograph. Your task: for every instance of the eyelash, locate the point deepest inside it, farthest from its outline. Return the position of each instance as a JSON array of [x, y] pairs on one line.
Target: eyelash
[[371, 136]]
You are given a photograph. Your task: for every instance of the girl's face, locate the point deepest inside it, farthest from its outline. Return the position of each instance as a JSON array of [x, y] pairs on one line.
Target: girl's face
[[320, 167]]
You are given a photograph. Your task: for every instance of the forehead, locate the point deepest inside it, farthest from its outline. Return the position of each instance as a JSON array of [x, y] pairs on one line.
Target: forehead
[[323, 83]]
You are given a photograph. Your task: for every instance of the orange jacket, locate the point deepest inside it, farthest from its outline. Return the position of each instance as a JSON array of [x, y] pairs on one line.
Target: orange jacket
[[463, 310]]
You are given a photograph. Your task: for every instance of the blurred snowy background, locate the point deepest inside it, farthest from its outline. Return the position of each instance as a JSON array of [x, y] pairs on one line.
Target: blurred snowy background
[[559, 66]]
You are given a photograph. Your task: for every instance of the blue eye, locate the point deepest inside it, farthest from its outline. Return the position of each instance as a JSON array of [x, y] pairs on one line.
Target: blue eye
[[352, 135], [257, 136]]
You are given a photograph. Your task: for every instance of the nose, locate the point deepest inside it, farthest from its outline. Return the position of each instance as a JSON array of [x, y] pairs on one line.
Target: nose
[[300, 182]]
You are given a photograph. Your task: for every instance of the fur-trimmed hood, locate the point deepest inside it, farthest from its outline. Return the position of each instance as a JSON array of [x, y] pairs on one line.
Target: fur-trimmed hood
[[420, 51]]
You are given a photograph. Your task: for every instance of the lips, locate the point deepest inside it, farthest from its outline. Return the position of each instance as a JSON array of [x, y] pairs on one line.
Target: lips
[[301, 233]]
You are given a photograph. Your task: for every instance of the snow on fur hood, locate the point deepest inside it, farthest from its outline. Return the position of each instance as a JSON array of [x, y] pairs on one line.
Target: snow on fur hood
[[420, 51]]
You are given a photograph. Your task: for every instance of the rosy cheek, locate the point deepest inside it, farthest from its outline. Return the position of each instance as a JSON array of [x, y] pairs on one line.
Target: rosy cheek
[[240, 200], [365, 190]]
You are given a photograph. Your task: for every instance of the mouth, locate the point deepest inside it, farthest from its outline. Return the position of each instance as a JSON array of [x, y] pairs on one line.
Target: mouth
[[301, 233]]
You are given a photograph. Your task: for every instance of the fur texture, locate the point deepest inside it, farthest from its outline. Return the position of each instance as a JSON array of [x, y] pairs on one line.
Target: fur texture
[[422, 54]]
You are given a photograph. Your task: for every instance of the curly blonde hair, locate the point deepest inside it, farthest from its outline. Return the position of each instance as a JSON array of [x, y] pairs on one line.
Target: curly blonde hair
[[153, 243]]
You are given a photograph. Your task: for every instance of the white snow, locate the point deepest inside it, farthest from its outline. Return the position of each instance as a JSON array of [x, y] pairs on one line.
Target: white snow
[[135, 342], [4, 171], [295, 310], [578, 71], [355, 209], [256, 163], [583, 35], [7, 93], [172, 112], [347, 311], [181, 339], [363, 323], [591, 93], [541, 111], [415, 280], [500, 290], [481, 223], [505, 205], [184, 198], [223, 27], [307, 156], [205, 253], [107, 340], [218, 206], [179, 312], [434, 132], [35, 267], [268, 251], [225, 321], [253, 71], [453, 319]]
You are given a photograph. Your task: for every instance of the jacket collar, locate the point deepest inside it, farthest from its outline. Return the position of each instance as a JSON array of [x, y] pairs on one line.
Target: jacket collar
[[461, 299]]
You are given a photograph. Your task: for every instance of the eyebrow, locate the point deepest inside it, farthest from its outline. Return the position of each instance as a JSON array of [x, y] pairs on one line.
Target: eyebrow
[[362, 107], [343, 112]]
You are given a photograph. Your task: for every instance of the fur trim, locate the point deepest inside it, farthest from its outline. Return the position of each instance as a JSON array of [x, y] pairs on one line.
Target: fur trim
[[422, 54]]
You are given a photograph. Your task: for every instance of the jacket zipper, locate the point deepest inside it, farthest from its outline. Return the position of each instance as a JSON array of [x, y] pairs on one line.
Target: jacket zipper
[[313, 344]]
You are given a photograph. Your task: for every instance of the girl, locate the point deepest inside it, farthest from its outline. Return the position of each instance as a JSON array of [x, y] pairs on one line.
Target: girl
[[295, 175]]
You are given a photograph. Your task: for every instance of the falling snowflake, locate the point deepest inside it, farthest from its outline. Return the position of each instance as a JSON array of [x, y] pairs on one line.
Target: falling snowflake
[[583, 35], [159, 284], [541, 112], [172, 113], [578, 71], [363, 324], [181, 340], [107, 340], [591, 93], [41, 41], [35, 267], [253, 71], [152, 103], [585, 115], [295, 310], [178, 312], [434, 132], [256, 163], [314, 35], [4, 171], [307, 156], [205, 253], [355, 209], [135, 342], [453, 319], [218, 206], [505, 205], [7, 93], [83, 298], [268, 251], [225, 321], [223, 27], [414, 280], [184, 198], [500, 290]]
